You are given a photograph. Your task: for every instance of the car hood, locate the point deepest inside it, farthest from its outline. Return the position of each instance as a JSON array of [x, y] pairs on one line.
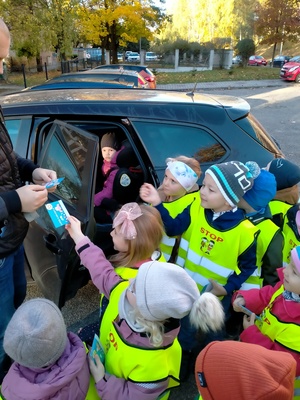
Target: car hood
[[291, 64]]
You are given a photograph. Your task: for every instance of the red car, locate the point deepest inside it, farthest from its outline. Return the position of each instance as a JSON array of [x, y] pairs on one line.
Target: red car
[[257, 60], [291, 70]]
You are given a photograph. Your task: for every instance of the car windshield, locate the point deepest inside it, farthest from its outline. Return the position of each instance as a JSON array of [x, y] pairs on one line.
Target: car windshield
[[295, 59], [259, 57]]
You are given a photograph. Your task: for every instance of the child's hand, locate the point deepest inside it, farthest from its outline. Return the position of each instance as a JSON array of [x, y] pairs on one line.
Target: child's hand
[[239, 301], [248, 321], [97, 370], [149, 194], [217, 289], [74, 229]]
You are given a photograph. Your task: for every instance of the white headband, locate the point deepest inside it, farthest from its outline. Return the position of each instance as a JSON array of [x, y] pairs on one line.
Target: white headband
[[183, 174]]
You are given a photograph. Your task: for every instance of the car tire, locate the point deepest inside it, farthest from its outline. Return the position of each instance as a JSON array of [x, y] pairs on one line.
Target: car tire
[[297, 79]]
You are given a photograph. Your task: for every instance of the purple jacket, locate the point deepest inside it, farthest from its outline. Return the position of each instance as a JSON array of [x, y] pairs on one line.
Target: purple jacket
[[67, 379], [107, 191], [104, 278]]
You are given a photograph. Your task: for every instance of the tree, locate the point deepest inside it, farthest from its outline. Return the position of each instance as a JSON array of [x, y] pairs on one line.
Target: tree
[[245, 48], [277, 21]]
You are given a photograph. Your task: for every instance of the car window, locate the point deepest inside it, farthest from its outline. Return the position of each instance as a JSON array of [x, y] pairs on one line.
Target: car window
[[18, 130], [165, 140]]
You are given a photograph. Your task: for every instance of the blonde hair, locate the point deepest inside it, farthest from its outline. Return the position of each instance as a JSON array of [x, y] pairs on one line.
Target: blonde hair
[[191, 162], [154, 330], [150, 230]]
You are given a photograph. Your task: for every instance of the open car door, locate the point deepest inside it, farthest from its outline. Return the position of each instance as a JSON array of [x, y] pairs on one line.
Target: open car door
[[50, 252]]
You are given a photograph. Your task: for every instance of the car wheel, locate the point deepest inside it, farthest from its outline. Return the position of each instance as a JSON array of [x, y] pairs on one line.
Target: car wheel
[[297, 80]]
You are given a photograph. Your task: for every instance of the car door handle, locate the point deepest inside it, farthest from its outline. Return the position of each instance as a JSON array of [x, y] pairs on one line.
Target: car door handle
[[51, 244]]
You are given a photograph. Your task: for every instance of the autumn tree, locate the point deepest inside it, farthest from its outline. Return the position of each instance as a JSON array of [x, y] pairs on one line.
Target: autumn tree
[[277, 21]]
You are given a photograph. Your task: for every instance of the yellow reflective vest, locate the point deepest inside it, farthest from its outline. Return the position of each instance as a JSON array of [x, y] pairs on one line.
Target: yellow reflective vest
[[131, 362], [176, 207], [290, 241], [207, 253]]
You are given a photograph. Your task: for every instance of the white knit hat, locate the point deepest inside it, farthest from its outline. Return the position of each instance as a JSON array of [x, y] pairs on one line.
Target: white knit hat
[[164, 290], [36, 336]]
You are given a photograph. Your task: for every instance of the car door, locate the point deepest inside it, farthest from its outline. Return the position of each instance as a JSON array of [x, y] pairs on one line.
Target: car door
[[73, 154]]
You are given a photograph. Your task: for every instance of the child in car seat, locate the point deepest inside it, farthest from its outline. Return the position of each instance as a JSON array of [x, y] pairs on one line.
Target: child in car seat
[[49, 363], [178, 190], [137, 233], [143, 314], [110, 148]]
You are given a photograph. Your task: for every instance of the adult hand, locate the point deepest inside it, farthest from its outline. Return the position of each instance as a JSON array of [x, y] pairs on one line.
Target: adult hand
[[96, 368], [248, 321], [238, 302], [32, 197], [217, 289], [149, 194], [74, 229], [41, 176]]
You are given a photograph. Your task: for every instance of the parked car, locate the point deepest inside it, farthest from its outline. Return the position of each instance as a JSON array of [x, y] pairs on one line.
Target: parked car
[[118, 75], [127, 54], [237, 60], [291, 70], [279, 61], [62, 129], [150, 56], [257, 60], [141, 69], [133, 57]]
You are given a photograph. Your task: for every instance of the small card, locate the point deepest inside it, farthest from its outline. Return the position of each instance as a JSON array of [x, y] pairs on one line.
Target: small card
[[58, 213], [97, 349], [55, 182]]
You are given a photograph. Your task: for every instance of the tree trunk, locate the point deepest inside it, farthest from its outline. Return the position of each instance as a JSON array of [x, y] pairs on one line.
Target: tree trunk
[[39, 65]]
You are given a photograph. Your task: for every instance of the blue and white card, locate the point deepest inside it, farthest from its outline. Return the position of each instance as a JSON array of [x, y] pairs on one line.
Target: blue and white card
[[55, 182], [58, 213]]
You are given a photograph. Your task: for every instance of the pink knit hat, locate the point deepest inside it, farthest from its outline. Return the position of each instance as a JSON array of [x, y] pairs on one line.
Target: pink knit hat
[[295, 255], [232, 370]]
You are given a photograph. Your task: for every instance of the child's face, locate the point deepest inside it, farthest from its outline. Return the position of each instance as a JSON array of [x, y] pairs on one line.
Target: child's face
[[171, 186], [211, 197], [291, 280], [107, 153], [120, 243]]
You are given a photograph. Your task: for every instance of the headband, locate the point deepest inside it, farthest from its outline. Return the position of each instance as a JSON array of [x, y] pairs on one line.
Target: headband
[[183, 174]]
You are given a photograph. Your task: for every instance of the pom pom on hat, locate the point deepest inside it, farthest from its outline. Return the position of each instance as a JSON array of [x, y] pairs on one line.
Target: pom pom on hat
[[222, 372], [164, 290], [233, 179], [262, 191], [287, 174], [36, 336], [110, 140]]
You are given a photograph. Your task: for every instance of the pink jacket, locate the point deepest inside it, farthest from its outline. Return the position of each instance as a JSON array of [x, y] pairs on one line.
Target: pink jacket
[[67, 379], [105, 279], [257, 300], [107, 191]]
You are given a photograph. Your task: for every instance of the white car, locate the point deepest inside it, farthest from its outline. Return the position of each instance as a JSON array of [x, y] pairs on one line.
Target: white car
[[150, 56], [133, 56]]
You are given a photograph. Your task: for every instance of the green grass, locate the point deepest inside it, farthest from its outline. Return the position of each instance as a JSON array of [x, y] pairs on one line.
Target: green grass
[[217, 75]]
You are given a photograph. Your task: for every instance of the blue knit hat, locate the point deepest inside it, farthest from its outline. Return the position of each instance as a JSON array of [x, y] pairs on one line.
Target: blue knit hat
[[262, 191], [233, 179]]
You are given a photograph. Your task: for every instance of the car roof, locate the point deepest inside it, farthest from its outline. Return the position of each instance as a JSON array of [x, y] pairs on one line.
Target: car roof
[[118, 101], [85, 84], [110, 71]]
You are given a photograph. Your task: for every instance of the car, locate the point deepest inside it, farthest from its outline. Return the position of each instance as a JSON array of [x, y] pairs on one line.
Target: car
[[291, 70], [62, 129], [257, 60], [127, 54], [73, 81], [141, 69], [237, 60], [279, 61], [133, 57], [150, 56], [120, 56], [118, 75]]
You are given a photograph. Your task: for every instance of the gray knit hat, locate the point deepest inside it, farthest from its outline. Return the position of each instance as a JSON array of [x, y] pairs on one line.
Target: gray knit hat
[[110, 140], [164, 290], [233, 179], [36, 336]]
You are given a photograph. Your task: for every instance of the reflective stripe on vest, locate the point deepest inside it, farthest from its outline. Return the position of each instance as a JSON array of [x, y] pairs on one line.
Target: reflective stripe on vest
[[213, 254]]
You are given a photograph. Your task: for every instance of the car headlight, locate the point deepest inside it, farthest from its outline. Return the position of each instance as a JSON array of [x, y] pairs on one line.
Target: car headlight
[[293, 69]]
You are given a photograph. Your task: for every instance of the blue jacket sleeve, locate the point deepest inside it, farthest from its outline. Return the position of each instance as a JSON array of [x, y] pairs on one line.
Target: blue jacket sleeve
[[175, 226]]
